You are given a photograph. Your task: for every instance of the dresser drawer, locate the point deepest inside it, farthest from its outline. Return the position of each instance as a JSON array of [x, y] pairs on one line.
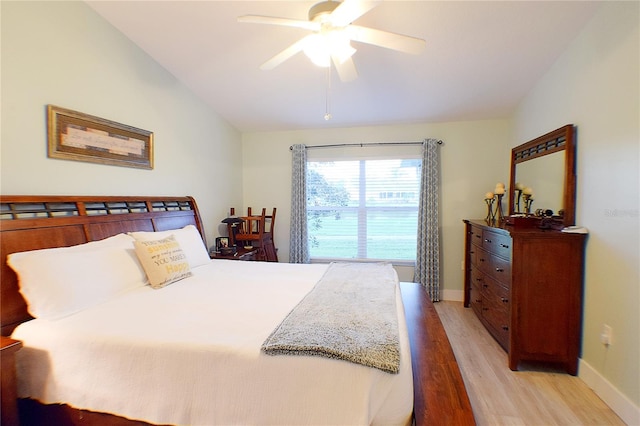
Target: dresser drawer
[[477, 278], [490, 300], [494, 266], [482, 259], [475, 236], [499, 269], [496, 310], [475, 299], [473, 255], [496, 315], [497, 243], [496, 294], [491, 289]]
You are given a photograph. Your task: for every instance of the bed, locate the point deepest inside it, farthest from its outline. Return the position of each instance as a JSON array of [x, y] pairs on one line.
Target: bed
[[426, 389]]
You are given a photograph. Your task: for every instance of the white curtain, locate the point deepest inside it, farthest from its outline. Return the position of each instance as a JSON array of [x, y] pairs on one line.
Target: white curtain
[[298, 243], [427, 269]]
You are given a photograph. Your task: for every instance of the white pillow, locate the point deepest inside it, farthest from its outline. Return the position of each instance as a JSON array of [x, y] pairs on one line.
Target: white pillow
[[163, 261], [189, 239], [61, 281]]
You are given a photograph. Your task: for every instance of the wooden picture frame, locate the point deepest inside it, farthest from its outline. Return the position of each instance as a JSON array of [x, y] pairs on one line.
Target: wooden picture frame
[[77, 136]]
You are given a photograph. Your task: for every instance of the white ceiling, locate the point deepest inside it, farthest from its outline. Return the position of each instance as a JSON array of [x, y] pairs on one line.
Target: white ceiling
[[481, 59]]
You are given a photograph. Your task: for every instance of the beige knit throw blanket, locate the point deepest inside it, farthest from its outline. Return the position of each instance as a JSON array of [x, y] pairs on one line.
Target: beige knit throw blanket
[[350, 314]]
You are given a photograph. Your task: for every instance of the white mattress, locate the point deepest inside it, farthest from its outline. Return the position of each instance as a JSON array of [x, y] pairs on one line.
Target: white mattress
[[190, 354]]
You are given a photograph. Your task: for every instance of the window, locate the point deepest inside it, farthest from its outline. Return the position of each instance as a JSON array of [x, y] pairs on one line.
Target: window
[[363, 209]]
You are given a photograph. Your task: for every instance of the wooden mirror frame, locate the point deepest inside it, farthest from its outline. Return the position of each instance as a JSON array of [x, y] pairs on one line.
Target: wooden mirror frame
[[562, 139]]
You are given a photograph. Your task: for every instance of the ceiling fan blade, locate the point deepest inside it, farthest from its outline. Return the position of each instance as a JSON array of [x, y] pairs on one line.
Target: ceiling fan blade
[[386, 39], [350, 10], [270, 20], [285, 54], [346, 69]]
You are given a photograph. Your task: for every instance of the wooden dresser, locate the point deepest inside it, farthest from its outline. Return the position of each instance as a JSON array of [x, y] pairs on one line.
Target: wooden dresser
[[525, 285]]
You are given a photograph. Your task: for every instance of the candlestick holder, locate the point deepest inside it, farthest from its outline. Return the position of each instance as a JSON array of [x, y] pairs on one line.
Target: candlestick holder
[[518, 193], [528, 201], [490, 214], [499, 213]]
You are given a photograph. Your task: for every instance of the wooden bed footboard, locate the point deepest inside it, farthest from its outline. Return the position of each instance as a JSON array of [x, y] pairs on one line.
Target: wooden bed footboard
[[37, 222], [440, 397]]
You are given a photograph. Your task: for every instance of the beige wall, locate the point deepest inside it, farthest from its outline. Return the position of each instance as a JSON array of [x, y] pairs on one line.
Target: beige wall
[[63, 53], [474, 157], [595, 85]]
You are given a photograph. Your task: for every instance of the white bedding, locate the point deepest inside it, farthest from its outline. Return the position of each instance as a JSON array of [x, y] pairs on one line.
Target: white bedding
[[190, 354]]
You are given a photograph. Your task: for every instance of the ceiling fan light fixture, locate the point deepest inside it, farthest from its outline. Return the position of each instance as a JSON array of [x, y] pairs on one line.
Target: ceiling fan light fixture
[[340, 44], [331, 24], [332, 43], [317, 50], [321, 11]]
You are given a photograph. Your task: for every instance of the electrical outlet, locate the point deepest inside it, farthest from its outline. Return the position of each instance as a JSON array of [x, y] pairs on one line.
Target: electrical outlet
[[607, 335]]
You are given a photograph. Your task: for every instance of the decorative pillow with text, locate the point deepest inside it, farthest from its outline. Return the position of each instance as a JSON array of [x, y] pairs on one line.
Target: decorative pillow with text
[[163, 261], [190, 241]]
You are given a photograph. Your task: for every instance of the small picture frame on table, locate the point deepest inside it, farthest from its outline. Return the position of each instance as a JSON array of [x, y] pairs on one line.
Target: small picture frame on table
[[222, 243]]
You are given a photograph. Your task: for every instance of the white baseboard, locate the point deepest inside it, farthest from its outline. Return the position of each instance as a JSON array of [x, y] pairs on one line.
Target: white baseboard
[[453, 295], [619, 403]]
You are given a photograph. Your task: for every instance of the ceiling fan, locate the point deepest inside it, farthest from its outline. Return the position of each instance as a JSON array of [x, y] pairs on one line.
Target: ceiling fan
[[332, 34]]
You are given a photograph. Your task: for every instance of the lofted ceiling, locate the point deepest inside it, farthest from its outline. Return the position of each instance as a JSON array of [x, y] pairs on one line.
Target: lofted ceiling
[[481, 59]]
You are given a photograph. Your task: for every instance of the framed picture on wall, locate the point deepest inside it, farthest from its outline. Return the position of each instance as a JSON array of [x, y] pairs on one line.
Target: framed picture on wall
[[76, 136]]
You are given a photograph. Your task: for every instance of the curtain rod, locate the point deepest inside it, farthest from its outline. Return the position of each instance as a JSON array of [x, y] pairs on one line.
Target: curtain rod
[[365, 144]]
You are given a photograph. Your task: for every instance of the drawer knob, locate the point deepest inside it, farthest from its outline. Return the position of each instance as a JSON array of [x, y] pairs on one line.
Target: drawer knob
[[504, 246], [478, 279], [499, 270], [478, 300], [505, 328], [487, 240], [481, 259], [485, 285], [485, 309], [477, 236], [471, 251], [504, 300]]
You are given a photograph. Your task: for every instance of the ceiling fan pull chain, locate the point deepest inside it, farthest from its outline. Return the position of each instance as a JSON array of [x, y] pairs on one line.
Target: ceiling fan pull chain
[[327, 103]]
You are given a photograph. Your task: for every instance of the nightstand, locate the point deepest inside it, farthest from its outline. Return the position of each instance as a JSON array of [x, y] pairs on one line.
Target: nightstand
[[241, 254], [8, 350]]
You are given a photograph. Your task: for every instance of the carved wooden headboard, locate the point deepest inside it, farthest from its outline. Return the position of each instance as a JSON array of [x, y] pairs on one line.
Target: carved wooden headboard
[[32, 222]]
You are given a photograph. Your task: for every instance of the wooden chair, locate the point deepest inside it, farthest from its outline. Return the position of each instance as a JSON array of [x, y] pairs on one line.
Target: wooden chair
[[269, 246], [257, 231]]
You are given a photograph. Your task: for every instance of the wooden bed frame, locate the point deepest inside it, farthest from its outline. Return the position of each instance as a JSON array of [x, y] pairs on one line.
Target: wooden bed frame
[[38, 222]]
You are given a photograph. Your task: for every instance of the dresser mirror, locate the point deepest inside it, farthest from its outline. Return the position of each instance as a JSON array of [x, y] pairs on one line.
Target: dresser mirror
[[543, 170]]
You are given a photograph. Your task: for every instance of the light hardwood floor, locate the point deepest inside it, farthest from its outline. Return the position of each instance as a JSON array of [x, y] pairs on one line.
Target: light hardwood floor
[[533, 395]]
